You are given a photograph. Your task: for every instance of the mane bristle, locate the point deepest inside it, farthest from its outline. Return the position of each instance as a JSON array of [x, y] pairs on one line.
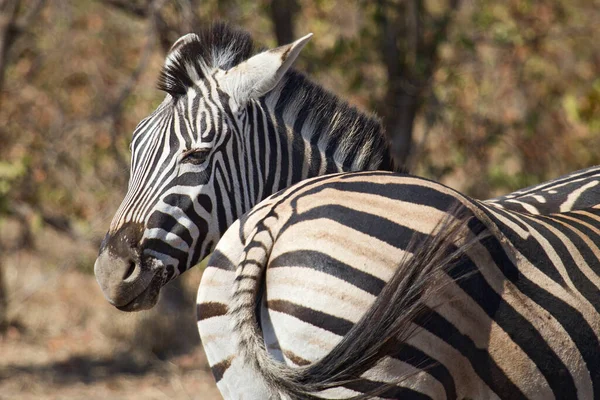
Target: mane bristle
[[218, 46], [359, 137]]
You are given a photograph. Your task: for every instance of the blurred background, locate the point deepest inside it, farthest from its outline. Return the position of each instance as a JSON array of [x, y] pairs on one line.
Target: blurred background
[[485, 96]]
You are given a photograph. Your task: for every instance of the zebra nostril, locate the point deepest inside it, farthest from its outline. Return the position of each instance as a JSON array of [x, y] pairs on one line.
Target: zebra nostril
[[130, 270]]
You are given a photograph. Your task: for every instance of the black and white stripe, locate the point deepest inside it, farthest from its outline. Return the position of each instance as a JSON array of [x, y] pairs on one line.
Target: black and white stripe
[[517, 316], [234, 128], [570, 192], [212, 150]]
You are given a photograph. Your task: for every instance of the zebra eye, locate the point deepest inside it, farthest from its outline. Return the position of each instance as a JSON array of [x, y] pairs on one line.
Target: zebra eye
[[195, 156]]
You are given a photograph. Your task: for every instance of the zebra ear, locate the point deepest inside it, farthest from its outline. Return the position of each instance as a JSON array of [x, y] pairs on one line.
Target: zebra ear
[[259, 74], [173, 52], [190, 37]]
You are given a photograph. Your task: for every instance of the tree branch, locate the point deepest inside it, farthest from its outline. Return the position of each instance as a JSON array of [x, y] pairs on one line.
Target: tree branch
[[283, 14], [430, 50], [8, 15], [134, 8], [410, 61], [11, 27]]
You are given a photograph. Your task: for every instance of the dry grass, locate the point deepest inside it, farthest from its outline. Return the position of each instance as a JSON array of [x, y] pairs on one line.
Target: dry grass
[[66, 342]]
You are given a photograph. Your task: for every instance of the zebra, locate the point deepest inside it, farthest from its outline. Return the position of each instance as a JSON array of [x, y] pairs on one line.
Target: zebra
[[514, 313], [574, 191], [234, 127]]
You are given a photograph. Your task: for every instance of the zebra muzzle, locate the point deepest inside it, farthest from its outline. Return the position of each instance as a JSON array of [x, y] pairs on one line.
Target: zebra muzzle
[[126, 282]]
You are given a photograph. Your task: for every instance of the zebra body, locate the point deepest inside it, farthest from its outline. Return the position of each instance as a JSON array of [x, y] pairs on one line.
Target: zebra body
[[574, 191], [524, 323]]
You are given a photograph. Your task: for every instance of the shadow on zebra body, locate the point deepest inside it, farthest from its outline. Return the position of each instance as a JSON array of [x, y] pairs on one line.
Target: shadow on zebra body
[[307, 263]]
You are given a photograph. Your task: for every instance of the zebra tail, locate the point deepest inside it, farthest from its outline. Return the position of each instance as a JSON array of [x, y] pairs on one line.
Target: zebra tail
[[387, 322]]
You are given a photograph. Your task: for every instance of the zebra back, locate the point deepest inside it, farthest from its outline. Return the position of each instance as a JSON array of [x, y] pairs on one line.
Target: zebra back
[[574, 191]]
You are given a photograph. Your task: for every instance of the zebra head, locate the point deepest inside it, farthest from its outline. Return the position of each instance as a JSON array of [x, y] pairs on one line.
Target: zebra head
[[187, 183]]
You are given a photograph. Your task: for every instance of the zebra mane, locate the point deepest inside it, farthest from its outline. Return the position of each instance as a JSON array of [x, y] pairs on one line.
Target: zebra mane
[[218, 46], [357, 137]]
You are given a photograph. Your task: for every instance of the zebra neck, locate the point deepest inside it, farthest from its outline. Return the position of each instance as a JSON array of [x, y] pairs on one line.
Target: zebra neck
[[322, 134]]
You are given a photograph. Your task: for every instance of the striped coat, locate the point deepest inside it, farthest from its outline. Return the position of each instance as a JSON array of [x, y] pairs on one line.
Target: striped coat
[[515, 317]]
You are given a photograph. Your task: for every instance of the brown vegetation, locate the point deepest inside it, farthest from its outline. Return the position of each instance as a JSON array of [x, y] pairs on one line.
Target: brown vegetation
[[487, 96]]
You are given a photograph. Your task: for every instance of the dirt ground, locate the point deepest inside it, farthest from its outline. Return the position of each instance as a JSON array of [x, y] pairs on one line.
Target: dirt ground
[[66, 342]]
